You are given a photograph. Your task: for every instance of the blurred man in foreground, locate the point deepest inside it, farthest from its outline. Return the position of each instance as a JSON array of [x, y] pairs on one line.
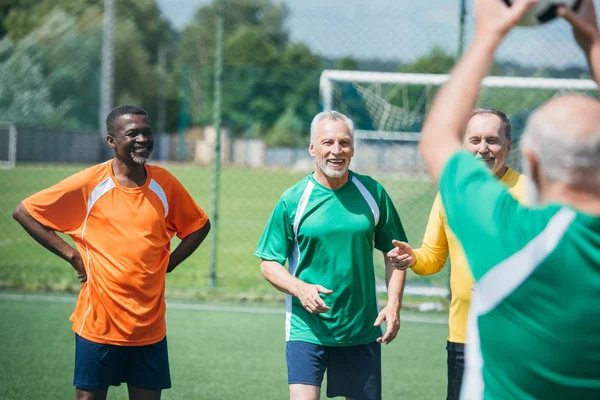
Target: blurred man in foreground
[[489, 136], [534, 321]]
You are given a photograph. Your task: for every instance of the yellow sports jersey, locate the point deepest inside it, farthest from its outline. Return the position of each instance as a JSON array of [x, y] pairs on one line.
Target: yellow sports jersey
[[439, 241]]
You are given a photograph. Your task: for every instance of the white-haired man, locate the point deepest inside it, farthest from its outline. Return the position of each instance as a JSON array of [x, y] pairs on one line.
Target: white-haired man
[[326, 227], [534, 321]]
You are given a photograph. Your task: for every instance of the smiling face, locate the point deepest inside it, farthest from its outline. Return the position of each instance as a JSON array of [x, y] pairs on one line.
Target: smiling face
[[133, 139], [332, 147], [485, 138]]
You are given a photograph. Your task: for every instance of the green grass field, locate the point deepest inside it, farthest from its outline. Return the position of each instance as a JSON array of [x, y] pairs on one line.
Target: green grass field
[[247, 198], [217, 351]]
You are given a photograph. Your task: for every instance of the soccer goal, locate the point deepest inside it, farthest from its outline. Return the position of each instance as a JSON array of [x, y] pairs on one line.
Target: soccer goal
[[389, 110], [8, 145]]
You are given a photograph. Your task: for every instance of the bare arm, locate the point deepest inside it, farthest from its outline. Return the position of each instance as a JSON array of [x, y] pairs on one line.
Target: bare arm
[[394, 279], [585, 30], [50, 240], [285, 282], [452, 107], [187, 246]]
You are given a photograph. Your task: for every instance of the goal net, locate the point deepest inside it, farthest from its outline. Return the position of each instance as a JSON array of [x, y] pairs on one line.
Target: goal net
[[8, 145], [389, 109]]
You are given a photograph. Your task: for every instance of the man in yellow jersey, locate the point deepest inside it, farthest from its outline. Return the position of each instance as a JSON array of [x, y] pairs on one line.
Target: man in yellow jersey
[[488, 136]]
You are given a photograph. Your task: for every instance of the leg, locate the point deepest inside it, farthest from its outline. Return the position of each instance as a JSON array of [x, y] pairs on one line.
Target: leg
[[304, 392], [136, 393], [82, 394], [456, 367], [355, 372], [306, 364]]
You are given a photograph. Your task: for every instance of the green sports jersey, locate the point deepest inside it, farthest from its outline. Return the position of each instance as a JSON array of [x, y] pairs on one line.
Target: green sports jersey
[[534, 323], [328, 236]]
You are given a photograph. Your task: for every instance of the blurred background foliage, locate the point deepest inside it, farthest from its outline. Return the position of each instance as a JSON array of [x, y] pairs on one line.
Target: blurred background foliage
[[50, 67]]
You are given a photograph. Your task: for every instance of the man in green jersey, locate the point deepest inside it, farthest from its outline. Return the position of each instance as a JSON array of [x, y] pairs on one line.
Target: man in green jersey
[[534, 322], [326, 227]]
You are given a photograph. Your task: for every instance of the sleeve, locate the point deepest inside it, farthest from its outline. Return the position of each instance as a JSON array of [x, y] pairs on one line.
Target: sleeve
[[433, 253], [276, 241], [62, 207], [490, 224], [389, 226], [186, 216]]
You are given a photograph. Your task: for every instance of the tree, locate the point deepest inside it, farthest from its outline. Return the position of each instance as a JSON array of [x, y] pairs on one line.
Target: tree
[[347, 64], [67, 39], [436, 62], [264, 77]]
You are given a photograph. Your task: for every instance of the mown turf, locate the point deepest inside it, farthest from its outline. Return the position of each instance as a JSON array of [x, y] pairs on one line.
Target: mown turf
[[216, 354], [246, 199]]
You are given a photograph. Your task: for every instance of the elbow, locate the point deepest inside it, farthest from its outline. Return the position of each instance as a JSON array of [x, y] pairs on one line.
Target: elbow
[[19, 212], [264, 270]]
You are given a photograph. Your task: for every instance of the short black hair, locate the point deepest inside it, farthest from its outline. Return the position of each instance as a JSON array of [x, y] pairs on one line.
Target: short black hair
[[111, 120], [506, 125]]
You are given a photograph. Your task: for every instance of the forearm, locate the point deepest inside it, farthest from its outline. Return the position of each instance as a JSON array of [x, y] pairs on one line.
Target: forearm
[[442, 132], [45, 236], [279, 277], [427, 263], [395, 280], [592, 54], [188, 245]]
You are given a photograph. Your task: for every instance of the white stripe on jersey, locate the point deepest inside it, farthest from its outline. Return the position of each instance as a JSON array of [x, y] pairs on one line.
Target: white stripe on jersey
[[155, 187], [497, 284], [368, 197]]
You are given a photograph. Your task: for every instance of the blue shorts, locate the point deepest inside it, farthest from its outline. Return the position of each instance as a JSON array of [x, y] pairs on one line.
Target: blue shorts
[[98, 366], [352, 371]]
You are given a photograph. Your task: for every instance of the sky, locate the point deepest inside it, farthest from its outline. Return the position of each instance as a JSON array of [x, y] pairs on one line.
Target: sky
[[400, 30]]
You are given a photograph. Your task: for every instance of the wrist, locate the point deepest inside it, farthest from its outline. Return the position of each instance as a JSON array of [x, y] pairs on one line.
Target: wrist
[[414, 260], [394, 305], [71, 255], [489, 40], [295, 287]]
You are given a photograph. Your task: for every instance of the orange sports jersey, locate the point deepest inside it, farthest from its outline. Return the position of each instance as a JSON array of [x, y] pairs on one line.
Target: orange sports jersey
[[123, 235]]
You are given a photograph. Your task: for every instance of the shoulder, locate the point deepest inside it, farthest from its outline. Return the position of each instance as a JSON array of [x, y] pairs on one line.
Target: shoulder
[[294, 194], [165, 179], [374, 187], [161, 173], [87, 178]]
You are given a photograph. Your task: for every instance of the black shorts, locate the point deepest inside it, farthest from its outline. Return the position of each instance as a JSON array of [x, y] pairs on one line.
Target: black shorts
[[456, 368]]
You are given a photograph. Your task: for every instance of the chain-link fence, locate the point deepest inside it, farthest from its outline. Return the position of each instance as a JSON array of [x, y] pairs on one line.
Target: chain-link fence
[[273, 57]]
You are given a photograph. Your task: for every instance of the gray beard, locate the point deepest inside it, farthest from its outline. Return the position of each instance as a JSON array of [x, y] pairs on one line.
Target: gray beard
[[137, 159], [331, 173]]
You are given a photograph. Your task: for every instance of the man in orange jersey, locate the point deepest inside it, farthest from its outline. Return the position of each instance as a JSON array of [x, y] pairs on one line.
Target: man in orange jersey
[[488, 136], [121, 215]]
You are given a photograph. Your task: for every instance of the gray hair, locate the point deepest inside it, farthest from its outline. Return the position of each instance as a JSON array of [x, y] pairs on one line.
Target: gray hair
[[505, 123], [333, 116], [562, 157]]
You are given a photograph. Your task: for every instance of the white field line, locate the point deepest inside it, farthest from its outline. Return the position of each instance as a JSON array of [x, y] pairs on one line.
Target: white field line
[[203, 307]]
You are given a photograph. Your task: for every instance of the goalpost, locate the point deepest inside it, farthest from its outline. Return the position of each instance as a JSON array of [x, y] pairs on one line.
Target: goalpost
[[388, 110], [8, 145]]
